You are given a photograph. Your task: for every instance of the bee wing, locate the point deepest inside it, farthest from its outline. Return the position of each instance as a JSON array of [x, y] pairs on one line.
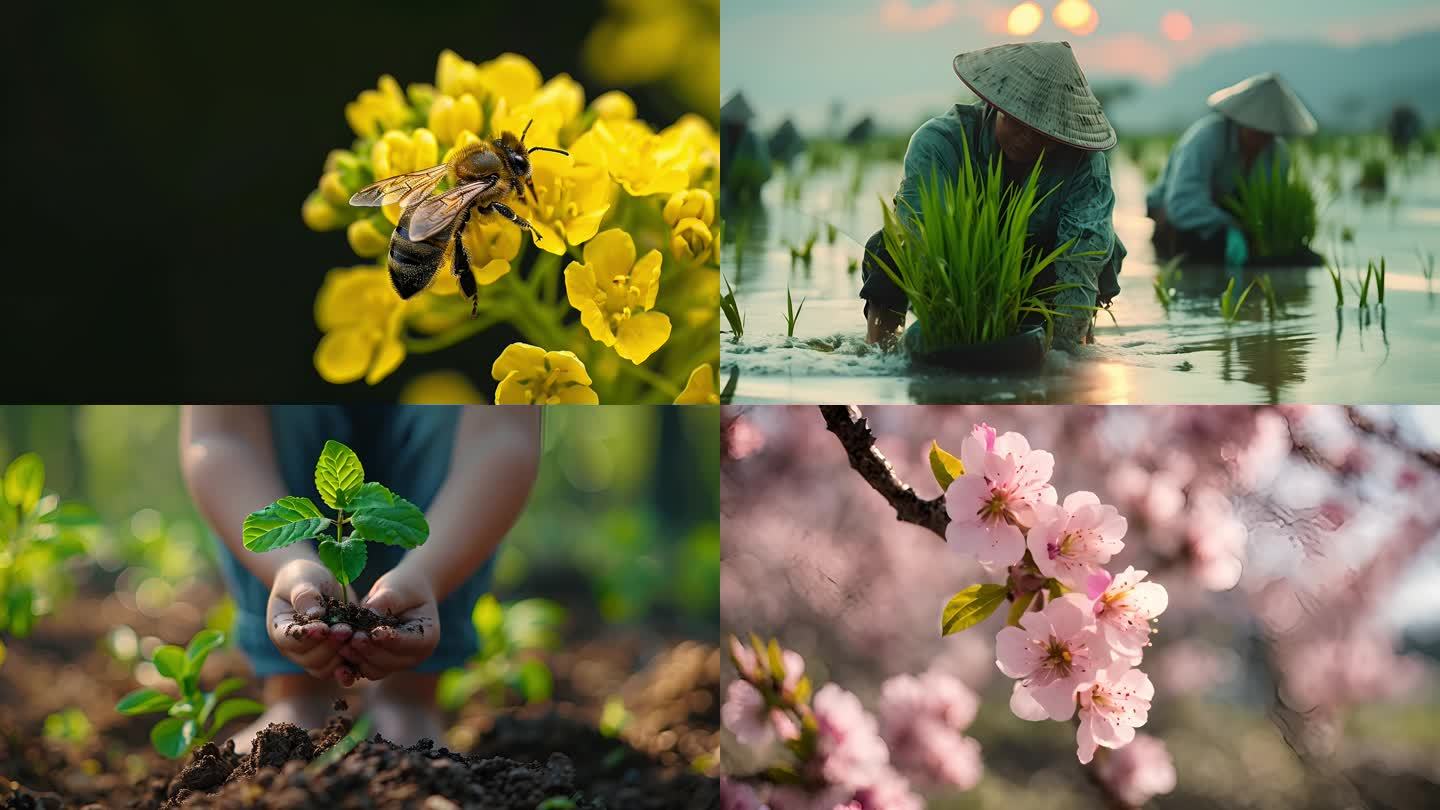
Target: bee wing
[[402, 188], [432, 214]]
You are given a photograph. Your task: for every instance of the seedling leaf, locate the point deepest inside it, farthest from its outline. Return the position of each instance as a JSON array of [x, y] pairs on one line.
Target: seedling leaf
[[172, 736], [24, 482], [338, 474], [233, 708], [401, 524], [144, 701], [287, 521], [345, 558], [200, 647], [171, 662]]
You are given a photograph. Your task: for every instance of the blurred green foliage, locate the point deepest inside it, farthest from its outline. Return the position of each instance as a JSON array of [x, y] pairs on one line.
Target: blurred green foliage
[[38, 535], [508, 634]]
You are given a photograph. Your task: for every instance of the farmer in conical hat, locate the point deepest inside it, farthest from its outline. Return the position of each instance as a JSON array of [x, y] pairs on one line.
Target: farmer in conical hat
[[744, 158], [1033, 98], [1246, 132]]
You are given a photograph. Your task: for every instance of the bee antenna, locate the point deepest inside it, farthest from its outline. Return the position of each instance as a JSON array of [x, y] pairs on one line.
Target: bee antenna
[[546, 149], [527, 129]]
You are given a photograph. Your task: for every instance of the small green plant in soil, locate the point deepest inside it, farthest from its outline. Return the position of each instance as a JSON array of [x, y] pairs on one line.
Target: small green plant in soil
[[1167, 276], [792, 313], [1272, 301], [69, 727], [1230, 306], [1277, 211], [961, 259], [38, 534], [731, 308], [372, 513], [803, 253], [193, 718], [510, 636]]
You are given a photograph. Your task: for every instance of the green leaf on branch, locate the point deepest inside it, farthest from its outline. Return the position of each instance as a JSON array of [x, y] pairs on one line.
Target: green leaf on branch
[[24, 481], [144, 701], [338, 474], [287, 521], [1018, 608], [970, 607], [371, 495], [945, 466], [1056, 589], [172, 736], [398, 524], [345, 558]]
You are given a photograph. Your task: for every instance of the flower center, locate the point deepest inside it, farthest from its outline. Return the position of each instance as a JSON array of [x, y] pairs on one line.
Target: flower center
[[1058, 657], [619, 302], [997, 507], [1063, 547]]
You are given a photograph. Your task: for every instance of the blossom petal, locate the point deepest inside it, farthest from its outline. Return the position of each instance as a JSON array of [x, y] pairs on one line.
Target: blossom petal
[[1056, 698], [610, 254], [1017, 653], [1023, 704], [1149, 599], [1071, 615], [523, 358]]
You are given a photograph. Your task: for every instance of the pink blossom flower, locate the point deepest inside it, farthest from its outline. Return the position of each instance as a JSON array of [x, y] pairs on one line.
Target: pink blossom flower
[[1053, 654], [1004, 479], [1124, 607], [738, 796], [889, 792], [849, 750], [1139, 771], [921, 719], [1072, 541], [745, 712], [1111, 710]]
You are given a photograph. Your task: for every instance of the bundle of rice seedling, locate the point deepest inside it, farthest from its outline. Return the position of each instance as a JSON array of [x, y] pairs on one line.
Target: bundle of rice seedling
[[1277, 211], [962, 261]]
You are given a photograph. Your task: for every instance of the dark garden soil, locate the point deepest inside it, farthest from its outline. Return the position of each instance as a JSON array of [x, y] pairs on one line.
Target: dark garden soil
[[355, 615], [551, 756]]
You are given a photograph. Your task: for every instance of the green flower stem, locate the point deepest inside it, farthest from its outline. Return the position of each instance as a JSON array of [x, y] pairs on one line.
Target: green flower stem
[[538, 324], [457, 333], [340, 525]]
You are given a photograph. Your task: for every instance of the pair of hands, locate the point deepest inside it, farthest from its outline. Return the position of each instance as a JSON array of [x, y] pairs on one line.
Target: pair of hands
[[340, 651], [1237, 252]]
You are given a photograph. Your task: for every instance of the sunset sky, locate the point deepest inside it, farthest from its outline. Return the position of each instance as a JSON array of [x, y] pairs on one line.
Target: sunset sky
[[892, 57]]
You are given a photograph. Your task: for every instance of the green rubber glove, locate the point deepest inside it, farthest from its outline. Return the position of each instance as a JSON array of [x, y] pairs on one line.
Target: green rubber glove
[[1236, 252]]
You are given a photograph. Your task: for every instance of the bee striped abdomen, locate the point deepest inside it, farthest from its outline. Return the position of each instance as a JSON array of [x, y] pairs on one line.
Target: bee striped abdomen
[[413, 265]]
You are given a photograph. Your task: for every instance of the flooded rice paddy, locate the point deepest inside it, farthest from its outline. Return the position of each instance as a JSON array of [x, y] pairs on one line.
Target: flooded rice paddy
[[1310, 351]]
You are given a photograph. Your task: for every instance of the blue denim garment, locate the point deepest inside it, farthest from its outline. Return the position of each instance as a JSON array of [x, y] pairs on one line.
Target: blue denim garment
[[405, 447], [1201, 172]]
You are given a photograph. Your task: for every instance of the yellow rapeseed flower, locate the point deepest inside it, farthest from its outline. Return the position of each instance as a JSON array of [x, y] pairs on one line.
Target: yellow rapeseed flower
[[447, 387], [695, 202], [613, 105], [319, 214], [700, 390], [451, 115], [529, 375], [691, 240], [362, 319], [491, 243], [509, 76], [375, 111], [638, 159], [614, 294], [401, 153], [699, 143], [367, 238], [572, 201]]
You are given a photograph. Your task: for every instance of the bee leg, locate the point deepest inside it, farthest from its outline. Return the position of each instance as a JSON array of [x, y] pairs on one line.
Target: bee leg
[[505, 211], [460, 265]]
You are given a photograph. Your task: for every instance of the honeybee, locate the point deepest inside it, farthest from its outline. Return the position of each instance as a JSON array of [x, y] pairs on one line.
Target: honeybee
[[486, 174]]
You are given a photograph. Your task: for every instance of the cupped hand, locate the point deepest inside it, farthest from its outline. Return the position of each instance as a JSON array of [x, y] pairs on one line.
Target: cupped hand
[[386, 650], [294, 599]]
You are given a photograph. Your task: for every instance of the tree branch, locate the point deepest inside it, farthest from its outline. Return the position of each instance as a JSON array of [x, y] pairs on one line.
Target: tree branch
[[1390, 435], [854, 433]]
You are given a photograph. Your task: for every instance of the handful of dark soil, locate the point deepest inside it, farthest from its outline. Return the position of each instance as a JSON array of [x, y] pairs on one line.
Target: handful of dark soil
[[359, 617]]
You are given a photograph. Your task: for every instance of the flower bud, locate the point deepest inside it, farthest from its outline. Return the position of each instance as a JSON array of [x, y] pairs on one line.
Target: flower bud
[[366, 239], [695, 202], [691, 240], [319, 214], [449, 116], [332, 188], [613, 106]]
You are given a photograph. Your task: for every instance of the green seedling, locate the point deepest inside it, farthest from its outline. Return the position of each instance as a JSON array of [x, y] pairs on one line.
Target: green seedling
[[196, 715], [1336, 281], [792, 313], [1363, 289], [1167, 276], [1373, 175], [38, 534], [803, 253], [1229, 305], [1380, 281], [728, 394], [1276, 210], [510, 635], [1272, 302], [853, 267], [830, 233], [70, 727], [614, 717], [962, 259], [1427, 265], [731, 308], [372, 513]]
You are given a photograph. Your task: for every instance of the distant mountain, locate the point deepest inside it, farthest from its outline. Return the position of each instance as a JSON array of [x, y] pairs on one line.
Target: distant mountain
[[1347, 88]]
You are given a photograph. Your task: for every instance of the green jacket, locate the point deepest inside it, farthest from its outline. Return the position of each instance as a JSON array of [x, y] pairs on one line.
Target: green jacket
[[1079, 209]]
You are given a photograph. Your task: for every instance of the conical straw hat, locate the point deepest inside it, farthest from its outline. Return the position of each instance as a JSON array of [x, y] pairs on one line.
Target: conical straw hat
[[1266, 103], [1040, 85], [736, 110]]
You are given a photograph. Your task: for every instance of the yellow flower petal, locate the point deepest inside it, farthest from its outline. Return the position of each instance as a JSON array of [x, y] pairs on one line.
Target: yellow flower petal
[[344, 356], [646, 277], [611, 253], [565, 367], [641, 335], [520, 358], [440, 388], [511, 391], [581, 289], [575, 395], [388, 356], [491, 272], [700, 389], [613, 105]]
